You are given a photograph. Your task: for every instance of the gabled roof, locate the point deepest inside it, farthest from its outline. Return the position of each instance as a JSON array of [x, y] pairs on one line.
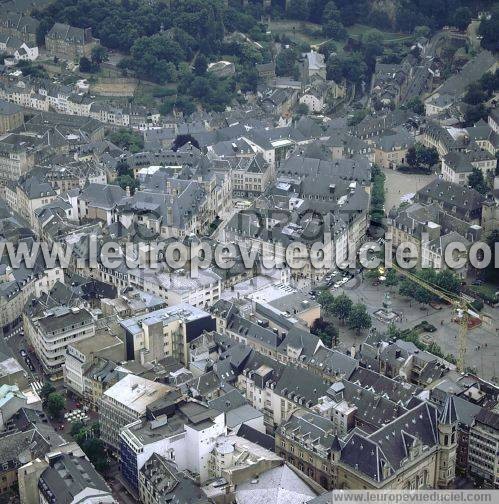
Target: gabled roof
[[448, 415]]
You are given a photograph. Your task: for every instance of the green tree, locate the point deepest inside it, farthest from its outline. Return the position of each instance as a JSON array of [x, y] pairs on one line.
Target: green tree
[[391, 278], [334, 68], [327, 332], [99, 54], [330, 13], [342, 306], [297, 9], [416, 105], [422, 31], [462, 18], [46, 390], [128, 139], [372, 42], [489, 82], [285, 62], [488, 30], [411, 158], [475, 94], [326, 300], [473, 113], [127, 181], [358, 317], [85, 65], [55, 404], [76, 428], [477, 181], [448, 281], [200, 64], [331, 22], [122, 168], [420, 156], [412, 289]]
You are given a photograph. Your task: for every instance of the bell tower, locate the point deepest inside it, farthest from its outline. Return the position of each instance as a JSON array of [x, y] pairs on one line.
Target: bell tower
[[447, 436]]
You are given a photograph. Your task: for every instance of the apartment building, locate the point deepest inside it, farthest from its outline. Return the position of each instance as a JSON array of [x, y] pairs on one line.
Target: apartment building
[[180, 286], [184, 434], [483, 452], [53, 330], [251, 176], [18, 286], [28, 195], [17, 156], [307, 441], [81, 355], [124, 403], [167, 332], [390, 151], [160, 481], [69, 43]]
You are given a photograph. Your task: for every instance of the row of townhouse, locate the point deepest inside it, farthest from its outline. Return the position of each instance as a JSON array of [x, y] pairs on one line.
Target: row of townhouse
[[63, 99]]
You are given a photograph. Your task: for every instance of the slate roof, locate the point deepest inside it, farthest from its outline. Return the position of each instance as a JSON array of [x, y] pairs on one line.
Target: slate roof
[[171, 485], [396, 391], [456, 84], [35, 188], [68, 476], [331, 361], [67, 33], [389, 445], [280, 485], [105, 196], [305, 426], [448, 415], [251, 434], [488, 418], [466, 411], [8, 108], [302, 384], [450, 194]]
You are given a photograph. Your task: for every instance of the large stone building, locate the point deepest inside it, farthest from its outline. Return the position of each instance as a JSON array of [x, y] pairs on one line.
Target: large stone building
[[11, 116], [19, 25], [69, 43], [415, 451], [51, 332], [17, 156]]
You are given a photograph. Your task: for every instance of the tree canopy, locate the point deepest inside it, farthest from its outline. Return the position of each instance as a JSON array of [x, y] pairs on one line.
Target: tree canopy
[[477, 181]]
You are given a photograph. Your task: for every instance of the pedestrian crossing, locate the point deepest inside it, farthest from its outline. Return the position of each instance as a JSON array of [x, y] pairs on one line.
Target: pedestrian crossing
[[37, 386]]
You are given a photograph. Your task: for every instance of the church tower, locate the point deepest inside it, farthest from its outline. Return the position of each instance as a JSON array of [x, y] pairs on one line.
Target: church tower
[[447, 435]]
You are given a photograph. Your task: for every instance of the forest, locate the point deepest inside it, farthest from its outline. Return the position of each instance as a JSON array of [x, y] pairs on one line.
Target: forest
[[173, 41]]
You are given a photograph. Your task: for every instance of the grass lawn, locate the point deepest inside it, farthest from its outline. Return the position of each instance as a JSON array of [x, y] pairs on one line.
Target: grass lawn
[[309, 33], [357, 30], [303, 31]]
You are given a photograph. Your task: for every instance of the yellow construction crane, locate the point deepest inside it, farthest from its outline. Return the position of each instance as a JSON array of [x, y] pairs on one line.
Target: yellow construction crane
[[460, 305]]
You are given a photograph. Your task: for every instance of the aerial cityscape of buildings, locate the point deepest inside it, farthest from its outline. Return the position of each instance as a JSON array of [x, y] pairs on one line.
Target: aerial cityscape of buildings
[[173, 177]]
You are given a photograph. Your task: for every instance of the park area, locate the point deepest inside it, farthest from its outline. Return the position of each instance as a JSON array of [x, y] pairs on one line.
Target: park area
[[311, 33]]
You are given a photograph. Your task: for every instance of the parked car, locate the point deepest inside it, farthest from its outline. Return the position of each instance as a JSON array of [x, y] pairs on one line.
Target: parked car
[[23, 352]]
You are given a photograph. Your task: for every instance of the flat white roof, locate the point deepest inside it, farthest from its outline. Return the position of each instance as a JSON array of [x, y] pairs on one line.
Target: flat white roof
[[136, 393]]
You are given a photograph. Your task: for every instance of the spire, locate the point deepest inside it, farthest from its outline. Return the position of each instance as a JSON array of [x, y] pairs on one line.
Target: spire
[[335, 445], [448, 415]]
